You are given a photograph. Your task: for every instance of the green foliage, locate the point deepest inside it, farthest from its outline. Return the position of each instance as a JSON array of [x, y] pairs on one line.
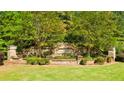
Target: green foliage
[[90, 31], [15, 29], [93, 30], [43, 61], [37, 61], [99, 60], [26, 29], [89, 58], [32, 60], [49, 30], [83, 61]]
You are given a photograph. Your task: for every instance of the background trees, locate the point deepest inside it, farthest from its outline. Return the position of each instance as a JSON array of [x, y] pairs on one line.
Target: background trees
[[94, 32], [48, 30], [10, 25]]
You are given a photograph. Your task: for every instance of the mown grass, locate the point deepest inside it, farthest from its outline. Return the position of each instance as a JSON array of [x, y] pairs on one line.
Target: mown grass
[[114, 72]]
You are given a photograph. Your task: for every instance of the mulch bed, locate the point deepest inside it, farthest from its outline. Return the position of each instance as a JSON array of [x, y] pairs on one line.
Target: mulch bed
[[23, 62]]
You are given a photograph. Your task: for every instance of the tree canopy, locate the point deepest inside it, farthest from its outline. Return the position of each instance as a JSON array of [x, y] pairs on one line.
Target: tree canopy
[[94, 31]]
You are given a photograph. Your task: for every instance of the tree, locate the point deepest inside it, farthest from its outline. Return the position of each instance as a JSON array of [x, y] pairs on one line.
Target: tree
[[93, 30], [49, 30], [9, 25], [119, 36], [15, 29]]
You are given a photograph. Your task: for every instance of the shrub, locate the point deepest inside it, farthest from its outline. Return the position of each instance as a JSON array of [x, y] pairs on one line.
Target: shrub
[[99, 60], [43, 61], [37, 60], [1, 58], [32, 60], [109, 59], [83, 62]]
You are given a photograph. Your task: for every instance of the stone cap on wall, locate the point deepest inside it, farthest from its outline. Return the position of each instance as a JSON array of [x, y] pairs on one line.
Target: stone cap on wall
[[12, 47]]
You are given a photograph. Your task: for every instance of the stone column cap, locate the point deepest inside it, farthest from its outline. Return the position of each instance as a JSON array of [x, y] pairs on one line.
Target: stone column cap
[[12, 47]]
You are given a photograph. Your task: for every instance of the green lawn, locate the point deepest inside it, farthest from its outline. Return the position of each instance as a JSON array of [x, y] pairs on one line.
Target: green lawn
[[27, 72]]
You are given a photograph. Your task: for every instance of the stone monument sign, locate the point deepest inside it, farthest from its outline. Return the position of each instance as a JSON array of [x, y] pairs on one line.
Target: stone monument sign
[[12, 52], [63, 48]]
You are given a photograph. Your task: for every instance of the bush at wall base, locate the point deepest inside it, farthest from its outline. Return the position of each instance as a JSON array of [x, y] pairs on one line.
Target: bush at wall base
[[99, 61], [109, 59], [37, 60], [83, 62]]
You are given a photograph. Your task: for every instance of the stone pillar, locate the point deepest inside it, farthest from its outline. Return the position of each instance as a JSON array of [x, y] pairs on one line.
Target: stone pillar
[[12, 52], [79, 58], [112, 53]]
